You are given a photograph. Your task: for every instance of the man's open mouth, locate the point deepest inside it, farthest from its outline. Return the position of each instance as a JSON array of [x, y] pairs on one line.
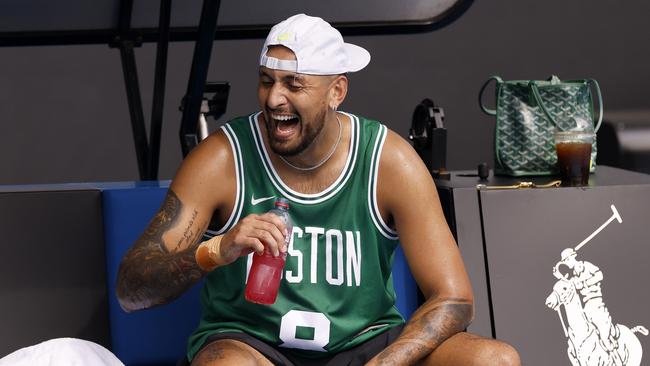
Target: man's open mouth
[[286, 125]]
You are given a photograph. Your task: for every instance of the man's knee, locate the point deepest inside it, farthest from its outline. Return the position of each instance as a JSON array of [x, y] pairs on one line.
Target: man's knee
[[497, 353], [229, 352], [472, 350]]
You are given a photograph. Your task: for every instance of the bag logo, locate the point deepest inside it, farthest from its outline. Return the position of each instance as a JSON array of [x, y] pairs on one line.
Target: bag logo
[[593, 338]]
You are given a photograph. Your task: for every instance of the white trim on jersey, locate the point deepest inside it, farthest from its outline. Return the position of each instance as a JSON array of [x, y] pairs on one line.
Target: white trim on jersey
[[375, 214], [308, 198], [369, 328], [239, 174]]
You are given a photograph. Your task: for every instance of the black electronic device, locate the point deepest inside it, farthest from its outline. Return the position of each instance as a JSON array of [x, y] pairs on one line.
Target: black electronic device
[[429, 137], [214, 106], [217, 104]]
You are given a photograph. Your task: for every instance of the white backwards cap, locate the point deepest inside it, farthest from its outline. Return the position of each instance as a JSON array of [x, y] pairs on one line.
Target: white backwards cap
[[319, 48]]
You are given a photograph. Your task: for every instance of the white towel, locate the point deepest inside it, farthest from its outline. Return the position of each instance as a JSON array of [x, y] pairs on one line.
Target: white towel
[[62, 352]]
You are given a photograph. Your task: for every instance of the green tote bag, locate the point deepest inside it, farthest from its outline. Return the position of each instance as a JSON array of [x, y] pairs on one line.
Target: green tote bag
[[528, 112]]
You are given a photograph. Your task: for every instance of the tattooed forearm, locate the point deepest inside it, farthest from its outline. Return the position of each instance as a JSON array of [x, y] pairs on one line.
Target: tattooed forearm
[[150, 274], [434, 322]]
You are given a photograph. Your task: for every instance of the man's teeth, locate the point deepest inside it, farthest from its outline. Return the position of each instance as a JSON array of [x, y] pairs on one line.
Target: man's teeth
[[283, 117]]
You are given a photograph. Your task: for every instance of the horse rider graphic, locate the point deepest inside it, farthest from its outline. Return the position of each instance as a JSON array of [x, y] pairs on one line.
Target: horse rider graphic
[[586, 278]]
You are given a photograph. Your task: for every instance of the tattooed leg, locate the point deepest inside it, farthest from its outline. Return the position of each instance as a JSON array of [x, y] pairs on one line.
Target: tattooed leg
[[466, 349], [229, 352]]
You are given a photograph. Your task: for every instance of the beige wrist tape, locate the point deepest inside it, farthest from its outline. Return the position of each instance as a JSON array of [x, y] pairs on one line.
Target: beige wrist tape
[[208, 254]]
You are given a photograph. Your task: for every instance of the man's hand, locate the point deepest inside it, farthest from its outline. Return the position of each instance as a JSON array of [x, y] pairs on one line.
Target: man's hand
[[254, 233]]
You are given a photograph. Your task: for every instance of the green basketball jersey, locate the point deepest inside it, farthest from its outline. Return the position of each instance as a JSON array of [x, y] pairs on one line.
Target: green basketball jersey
[[337, 288]]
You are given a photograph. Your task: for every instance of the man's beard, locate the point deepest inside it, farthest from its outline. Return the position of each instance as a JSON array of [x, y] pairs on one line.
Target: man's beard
[[308, 134]]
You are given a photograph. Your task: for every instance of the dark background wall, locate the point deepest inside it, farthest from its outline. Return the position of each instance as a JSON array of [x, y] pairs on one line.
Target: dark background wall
[[64, 115]]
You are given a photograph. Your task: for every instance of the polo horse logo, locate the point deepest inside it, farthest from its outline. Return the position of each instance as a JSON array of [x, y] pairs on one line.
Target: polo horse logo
[[584, 345], [593, 339]]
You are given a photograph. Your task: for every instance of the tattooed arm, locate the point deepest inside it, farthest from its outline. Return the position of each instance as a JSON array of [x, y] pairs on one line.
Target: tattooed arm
[[430, 250], [434, 322], [160, 266], [151, 273]]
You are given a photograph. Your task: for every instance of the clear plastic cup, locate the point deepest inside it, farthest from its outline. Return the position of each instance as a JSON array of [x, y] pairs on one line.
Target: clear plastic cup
[[574, 156]]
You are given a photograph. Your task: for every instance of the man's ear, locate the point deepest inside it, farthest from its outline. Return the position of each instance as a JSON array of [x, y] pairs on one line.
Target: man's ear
[[338, 91]]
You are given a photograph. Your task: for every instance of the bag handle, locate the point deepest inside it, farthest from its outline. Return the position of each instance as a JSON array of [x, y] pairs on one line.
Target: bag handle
[[491, 112], [533, 86], [600, 103]]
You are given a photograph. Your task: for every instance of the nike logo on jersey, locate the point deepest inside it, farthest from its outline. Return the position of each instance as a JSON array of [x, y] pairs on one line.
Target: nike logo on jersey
[[255, 201]]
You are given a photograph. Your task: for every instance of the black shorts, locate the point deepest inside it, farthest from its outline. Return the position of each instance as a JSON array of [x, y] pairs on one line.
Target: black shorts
[[357, 355]]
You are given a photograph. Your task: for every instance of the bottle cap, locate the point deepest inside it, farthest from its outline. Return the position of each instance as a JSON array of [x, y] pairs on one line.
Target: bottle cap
[[282, 202]]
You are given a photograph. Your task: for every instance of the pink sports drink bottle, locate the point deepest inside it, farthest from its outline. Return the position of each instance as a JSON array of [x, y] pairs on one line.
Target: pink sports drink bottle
[[266, 271]]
